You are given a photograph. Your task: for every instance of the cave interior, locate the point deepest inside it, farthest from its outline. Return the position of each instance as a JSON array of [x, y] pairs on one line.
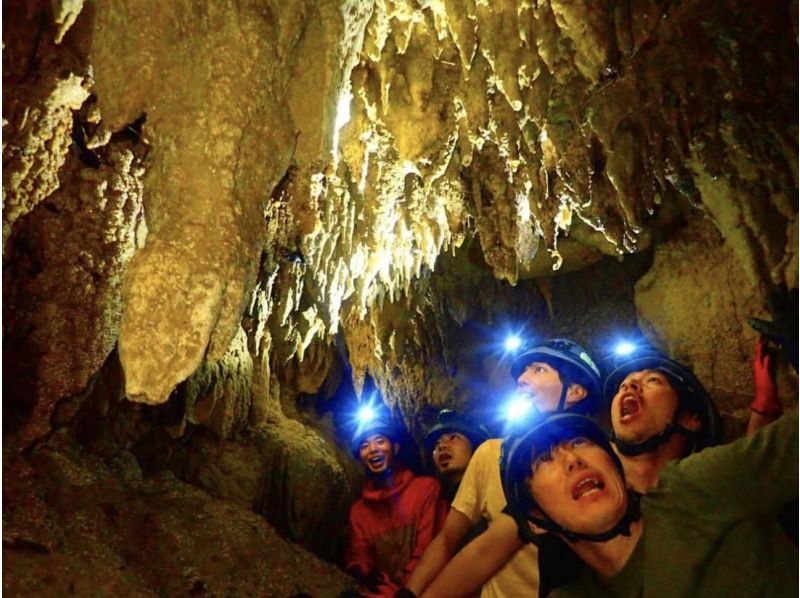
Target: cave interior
[[226, 224]]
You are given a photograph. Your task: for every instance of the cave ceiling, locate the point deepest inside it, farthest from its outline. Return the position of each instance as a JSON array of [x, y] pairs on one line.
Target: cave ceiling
[[223, 189]]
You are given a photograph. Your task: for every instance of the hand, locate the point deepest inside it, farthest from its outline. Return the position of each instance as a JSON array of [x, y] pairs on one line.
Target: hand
[[766, 401], [783, 329]]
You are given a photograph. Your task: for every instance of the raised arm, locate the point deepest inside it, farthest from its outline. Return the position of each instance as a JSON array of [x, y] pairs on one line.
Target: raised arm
[[478, 561], [439, 551], [766, 406], [755, 474]]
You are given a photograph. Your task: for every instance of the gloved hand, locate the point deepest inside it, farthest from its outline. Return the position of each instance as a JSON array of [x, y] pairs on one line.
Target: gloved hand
[[783, 329], [766, 401]]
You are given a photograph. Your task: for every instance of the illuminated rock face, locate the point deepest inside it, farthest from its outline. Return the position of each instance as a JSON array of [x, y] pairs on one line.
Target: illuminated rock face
[[259, 203]]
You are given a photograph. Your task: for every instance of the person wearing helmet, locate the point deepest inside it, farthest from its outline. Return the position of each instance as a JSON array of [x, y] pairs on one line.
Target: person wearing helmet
[[559, 375], [556, 375], [396, 517], [451, 443], [707, 529], [659, 412]]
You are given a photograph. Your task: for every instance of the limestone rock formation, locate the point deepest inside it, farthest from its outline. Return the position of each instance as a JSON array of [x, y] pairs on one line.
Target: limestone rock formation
[[226, 223], [71, 526]]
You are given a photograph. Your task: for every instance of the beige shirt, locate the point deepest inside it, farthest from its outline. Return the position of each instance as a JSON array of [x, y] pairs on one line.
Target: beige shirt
[[481, 495]]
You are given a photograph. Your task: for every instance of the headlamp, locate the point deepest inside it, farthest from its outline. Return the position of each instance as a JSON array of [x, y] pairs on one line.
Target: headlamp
[[518, 408], [365, 414], [512, 343], [624, 348]]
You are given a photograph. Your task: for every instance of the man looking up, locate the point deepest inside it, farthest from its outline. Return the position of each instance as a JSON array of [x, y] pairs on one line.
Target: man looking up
[[707, 529], [396, 516], [556, 374], [659, 412], [451, 443]]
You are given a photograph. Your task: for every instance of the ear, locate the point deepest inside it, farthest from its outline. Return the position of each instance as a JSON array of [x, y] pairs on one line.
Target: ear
[[576, 393], [395, 448], [690, 421]]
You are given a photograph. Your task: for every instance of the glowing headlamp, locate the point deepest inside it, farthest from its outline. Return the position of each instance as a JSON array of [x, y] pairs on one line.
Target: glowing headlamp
[[365, 414], [624, 348], [518, 408], [512, 343]]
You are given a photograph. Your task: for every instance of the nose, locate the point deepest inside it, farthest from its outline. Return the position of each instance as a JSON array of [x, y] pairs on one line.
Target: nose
[[630, 384], [571, 461], [443, 442]]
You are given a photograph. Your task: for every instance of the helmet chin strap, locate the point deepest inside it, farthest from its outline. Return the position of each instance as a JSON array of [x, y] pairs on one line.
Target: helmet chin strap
[[562, 401], [634, 449], [622, 528]]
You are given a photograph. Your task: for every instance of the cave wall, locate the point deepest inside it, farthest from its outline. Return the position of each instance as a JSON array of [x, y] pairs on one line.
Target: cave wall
[[221, 217]]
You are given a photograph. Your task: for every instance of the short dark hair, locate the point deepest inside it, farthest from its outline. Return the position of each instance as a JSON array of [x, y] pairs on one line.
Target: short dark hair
[[568, 375]]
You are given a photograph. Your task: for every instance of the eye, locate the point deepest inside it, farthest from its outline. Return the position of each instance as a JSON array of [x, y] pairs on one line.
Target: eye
[[654, 378], [579, 442], [541, 459]]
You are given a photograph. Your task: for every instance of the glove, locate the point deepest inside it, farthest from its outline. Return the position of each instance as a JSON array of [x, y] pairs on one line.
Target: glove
[[766, 401], [783, 329]]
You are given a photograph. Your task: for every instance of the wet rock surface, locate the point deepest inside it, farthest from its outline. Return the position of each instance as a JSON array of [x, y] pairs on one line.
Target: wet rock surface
[[225, 221], [74, 525]]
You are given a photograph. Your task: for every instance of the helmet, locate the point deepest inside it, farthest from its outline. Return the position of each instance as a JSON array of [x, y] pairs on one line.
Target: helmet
[[378, 425], [564, 352], [452, 421], [692, 396], [515, 471]]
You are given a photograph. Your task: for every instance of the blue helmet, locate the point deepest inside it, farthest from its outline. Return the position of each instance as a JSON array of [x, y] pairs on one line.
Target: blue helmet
[[378, 425], [692, 396], [560, 352], [515, 471], [452, 421]]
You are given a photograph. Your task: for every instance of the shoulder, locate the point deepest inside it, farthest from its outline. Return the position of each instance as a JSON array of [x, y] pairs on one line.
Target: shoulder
[[484, 460], [424, 482], [488, 451]]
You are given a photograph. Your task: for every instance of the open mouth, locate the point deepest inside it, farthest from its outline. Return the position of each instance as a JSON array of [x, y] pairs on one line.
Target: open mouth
[[587, 486], [629, 407], [443, 460], [376, 461]]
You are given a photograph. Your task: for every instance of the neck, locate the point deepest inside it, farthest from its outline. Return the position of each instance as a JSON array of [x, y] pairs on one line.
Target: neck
[[608, 558], [641, 471], [450, 484]]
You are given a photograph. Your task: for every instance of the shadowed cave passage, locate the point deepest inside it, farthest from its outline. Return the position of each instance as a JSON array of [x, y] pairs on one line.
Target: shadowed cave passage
[[226, 223]]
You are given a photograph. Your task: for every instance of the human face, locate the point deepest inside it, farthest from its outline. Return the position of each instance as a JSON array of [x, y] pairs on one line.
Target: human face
[[377, 453], [451, 455], [542, 384], [644, 405], [578, 485]]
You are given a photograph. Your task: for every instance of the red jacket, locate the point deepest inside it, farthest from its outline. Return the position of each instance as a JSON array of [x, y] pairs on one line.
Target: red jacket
[[390, 528]]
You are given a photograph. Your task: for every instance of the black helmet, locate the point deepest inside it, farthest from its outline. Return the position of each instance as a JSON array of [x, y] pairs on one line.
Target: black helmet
[[515, 471], [380, 424], [564, 352], [452, 421], [692, 395]]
